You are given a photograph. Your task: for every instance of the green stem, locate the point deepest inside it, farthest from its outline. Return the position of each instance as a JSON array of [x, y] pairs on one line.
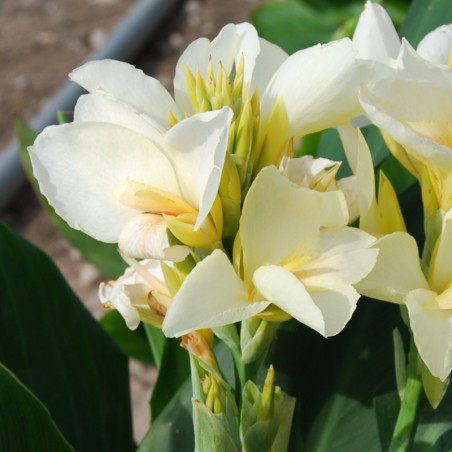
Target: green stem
[[245, 371], [407, 421]]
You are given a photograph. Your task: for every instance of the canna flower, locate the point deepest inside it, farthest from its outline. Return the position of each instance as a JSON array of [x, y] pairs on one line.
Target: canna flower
[[398, 278], [139, 294], [120, 177], [136, 162], [275, 97], [413, 110], [295, 257]]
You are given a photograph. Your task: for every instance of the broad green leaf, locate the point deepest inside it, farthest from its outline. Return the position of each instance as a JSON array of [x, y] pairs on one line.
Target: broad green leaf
[[423, 17], [434, 432], [294, 25], [133, 343], [25, 423], [173, 372], [336, 379], [103, 255], [156, 343], [172, 431], [55, 347], [386, 409]]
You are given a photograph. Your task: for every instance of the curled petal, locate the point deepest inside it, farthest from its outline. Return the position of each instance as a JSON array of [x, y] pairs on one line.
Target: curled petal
[[112, 294], [337, 307], [288, 293], [144, 236], [197, 148]]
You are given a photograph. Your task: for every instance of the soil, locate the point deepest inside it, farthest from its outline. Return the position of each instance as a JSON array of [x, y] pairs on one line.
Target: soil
[[41, 41]]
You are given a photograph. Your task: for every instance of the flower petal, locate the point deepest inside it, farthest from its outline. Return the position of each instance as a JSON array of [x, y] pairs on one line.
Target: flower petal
[[432, 329], [440, 272], [391, 103], [227, 48], [284, 290], [437, 45], [267, 63], [343, 258], [197, 147], [100, 108], [80, 166], [211, 295], [360, 160], [397, 271], [337, 307], [144, 236], [319, 87], [278, 215], [128, 84], [375, 37], [113, 293]]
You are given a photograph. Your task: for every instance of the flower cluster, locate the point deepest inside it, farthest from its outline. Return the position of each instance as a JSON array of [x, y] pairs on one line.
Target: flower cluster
[[208, 184]]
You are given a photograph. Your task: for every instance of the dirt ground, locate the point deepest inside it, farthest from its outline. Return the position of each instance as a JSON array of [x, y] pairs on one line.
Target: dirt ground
[[41, 41]]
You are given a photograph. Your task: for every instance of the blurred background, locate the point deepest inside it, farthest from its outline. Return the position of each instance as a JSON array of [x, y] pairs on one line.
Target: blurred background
[[41, 41]]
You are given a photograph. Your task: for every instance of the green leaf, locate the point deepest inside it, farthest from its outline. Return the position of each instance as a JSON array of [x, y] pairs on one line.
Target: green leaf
[[386, 409], [56, 348], [133, 343], [434, 432], [173, 372], [25, 423], [157, 343], [423, 17], [172, 431], [103, 255], [336, 379], [293, 25]]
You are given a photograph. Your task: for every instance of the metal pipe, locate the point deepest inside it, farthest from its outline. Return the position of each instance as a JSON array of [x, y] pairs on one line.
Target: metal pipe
[[124, 42]]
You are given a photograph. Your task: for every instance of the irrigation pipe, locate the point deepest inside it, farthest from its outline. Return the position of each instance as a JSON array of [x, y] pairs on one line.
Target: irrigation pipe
[[127, 38]]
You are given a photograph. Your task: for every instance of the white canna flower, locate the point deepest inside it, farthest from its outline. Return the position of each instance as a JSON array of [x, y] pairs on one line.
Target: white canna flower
[[296, 253], [119, 176], [398, 278], [414, 108], [139, 294]]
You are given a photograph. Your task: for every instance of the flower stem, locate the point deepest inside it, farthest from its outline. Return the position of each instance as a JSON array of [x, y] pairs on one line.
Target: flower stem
[[407, 421]]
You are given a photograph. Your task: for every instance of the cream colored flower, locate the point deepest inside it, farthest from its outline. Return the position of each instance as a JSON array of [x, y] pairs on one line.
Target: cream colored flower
[[295, 253], [140, 294]]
